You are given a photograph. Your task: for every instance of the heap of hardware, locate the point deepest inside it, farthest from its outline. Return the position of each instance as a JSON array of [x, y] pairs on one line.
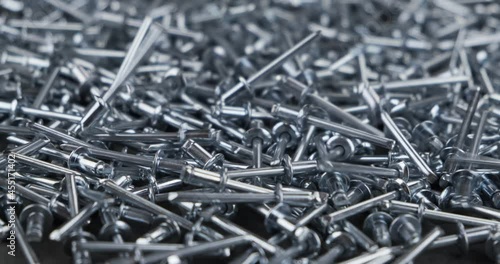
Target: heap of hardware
[[270, 131]]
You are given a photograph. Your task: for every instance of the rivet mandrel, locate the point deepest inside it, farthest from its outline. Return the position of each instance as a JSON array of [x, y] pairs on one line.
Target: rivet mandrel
[[406, 85], [333, 111], [240, 151], [236, 90], [247, 112], [290, 114], [464, 238], [55, 206], [340, 244], [220, 181], [14, 108], [146, 36], [292, 198], [101, 246], [360, 207], [55, 135], [361, 238], [28, 148], [156, 163], [397, 170], [76, 221], [416, 249], [78, 158], [129, 197], [177, 255], [408, 148], [276, 217], [403, 207], [369, 256], [200, 136], [257, 137], [49, 167]]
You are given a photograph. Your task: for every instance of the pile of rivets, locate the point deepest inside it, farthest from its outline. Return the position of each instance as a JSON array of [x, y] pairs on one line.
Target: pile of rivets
[[268, 131]]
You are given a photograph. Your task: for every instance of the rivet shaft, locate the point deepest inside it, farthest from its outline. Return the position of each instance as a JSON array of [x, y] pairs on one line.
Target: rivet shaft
[[232, 93], [416, 249], [290, 114], [408, 149]]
